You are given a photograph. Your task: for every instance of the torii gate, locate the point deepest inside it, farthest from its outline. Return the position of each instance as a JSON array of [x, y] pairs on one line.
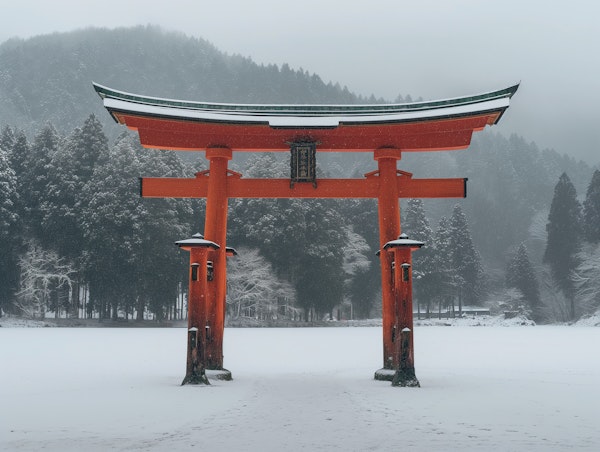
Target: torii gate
[[386, 130]]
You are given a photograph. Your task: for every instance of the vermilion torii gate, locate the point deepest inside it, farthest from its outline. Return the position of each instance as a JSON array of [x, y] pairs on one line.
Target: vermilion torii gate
[[386, 130]]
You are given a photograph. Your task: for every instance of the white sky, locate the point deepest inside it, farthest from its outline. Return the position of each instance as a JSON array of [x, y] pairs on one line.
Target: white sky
[[433, 49]]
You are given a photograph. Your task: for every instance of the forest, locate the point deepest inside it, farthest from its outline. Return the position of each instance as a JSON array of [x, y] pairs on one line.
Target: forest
[[77, 240]]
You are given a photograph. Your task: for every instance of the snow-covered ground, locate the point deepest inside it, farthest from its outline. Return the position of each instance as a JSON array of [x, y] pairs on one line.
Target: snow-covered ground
[[495, 388]]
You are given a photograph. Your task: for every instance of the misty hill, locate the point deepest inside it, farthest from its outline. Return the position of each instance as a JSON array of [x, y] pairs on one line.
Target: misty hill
[[48, 79]]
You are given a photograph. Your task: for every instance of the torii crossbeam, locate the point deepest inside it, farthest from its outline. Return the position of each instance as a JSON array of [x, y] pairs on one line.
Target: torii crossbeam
[[385, 130]]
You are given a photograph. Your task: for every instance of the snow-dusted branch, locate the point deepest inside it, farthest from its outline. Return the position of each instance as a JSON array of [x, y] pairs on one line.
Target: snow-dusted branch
[[42, 271], [253, 290]]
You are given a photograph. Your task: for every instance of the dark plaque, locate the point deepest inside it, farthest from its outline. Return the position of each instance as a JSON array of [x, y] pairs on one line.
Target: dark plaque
[[303, 163]]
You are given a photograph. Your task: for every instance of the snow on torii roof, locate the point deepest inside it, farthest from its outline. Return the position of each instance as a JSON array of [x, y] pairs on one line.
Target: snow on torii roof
[[416, 126]]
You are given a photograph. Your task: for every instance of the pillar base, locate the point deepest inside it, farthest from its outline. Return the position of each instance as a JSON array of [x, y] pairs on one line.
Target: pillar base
[[406, 378], [196, 378], [220, 374], [385, 374]]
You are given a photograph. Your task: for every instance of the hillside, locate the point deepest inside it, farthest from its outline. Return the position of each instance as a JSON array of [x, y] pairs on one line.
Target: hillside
[[48, 78]]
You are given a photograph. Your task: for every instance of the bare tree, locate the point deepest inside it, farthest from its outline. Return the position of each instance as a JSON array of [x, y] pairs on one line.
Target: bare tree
[[42, 272], [254, 291], [587, 280]]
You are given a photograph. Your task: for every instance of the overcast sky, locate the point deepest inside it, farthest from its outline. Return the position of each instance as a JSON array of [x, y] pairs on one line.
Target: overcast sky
[[433, 49]]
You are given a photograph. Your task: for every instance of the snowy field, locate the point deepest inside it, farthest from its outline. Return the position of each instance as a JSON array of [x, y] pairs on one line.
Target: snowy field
[[483, 388]]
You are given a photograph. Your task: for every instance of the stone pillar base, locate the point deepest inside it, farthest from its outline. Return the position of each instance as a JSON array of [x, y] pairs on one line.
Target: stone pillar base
[[404, 377], [221, 374], [385, 374]]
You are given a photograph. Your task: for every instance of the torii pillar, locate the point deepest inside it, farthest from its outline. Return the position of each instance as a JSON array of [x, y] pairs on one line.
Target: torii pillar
[[401, 335], [389, 229], [198, 307], [215, 229]]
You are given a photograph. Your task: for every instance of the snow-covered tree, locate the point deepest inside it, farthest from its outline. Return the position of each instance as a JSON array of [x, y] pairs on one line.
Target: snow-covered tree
[[416, 225], [466, 262], [555, 306], [437, 280], [361, 215], [587, 280], [42, 273], [36, 174], [9, 219], [520, 274], [356, 266], [564, 237], [8, 197], [160, 265], [130, 261], [112, 231], [15, 143], [254, 291], [513, 300], [68, 171], [591, 210]]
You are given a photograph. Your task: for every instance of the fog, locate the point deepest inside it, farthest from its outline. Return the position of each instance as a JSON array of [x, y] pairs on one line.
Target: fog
[[428, 49]]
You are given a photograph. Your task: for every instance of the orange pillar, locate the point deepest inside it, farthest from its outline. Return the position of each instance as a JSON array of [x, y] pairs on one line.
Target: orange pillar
[[196, 358], [404, 363], [402, 372], [215, 229], [389, 229]]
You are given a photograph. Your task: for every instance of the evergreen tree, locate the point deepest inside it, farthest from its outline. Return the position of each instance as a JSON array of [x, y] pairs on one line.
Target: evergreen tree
[[438, 279], [161, 267], [357, 263], [130, 261], [36, 175], [564, 237], [8, 230], [466, 262], [364, 292], [591, 210], [416, 225], [112, 231], [16, 144], [68, 171], [319, 275], [520, 274]]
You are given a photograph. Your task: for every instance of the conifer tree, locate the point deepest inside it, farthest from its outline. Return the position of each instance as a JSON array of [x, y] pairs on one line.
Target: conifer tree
[[564, 237], [111, 231], [416, 225], [68, 171], [8, 228], [439, 279], [520, 274], [591, 210], [37, 171], [15, 143], [466, 262]]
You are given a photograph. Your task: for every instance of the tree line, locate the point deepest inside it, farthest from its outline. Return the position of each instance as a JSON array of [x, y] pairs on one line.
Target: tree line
[[77, 240]]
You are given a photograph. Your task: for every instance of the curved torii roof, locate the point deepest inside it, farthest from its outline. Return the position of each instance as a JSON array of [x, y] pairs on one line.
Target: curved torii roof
[[417, 126]]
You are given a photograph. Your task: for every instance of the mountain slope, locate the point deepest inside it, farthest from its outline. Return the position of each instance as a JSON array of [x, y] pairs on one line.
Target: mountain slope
[[48, 78]]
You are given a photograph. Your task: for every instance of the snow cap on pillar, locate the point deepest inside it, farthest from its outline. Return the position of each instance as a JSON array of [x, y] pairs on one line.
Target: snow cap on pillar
[[403, 242], [196, 241]]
